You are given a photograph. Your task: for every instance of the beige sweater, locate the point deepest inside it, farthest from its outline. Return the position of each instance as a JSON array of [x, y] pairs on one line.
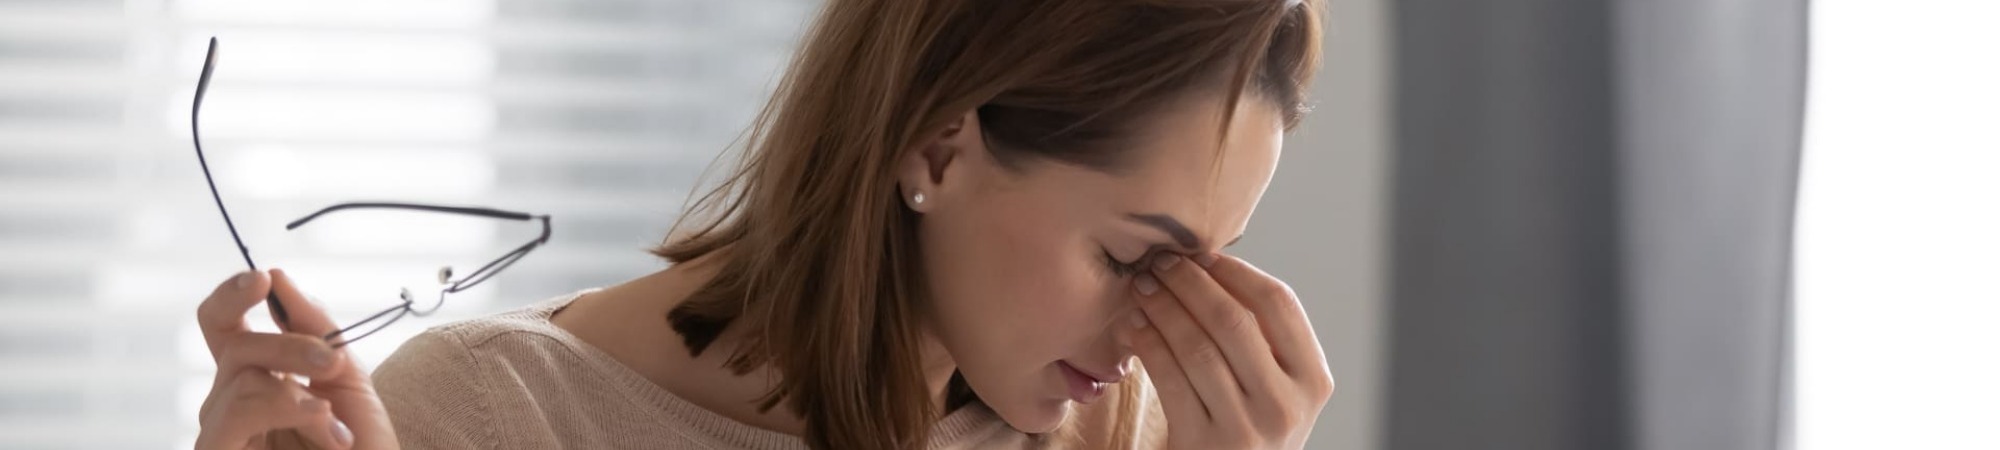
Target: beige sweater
[[516, 381]]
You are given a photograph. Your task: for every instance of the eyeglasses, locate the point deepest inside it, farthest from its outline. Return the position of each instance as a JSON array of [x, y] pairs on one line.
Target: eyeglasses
[[409, 305]]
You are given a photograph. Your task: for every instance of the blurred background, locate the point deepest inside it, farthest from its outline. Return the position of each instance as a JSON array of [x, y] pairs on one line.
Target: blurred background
[[600, 113], [1563, 224]]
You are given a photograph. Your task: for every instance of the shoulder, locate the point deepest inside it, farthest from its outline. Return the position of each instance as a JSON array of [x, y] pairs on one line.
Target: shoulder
[[431, 389], [466, 347], [441, 386]]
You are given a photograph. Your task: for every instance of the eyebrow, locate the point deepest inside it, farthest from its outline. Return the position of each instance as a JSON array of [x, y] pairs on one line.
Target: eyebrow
[[1174, 229]]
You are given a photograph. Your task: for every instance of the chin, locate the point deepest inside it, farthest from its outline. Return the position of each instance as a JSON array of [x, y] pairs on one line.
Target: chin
[[1035, 415]]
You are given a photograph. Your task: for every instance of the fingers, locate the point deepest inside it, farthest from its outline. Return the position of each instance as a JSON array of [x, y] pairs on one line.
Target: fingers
[[1198, 354], [305, 316], [290, 353], [249, 401], [327, 433], [1232, 325], [1289, 332], [256, 403], [308, 319], [1178, 399], [221, 314], [1218, 318]]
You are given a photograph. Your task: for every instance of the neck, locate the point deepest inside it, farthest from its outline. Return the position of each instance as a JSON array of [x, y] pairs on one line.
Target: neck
[[628, 322]]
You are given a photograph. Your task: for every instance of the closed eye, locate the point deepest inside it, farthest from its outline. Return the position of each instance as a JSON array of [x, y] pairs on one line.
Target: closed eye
[[1120, 268]]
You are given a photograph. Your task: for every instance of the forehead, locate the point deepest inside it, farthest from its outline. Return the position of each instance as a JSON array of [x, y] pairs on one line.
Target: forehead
[[1181, 172]]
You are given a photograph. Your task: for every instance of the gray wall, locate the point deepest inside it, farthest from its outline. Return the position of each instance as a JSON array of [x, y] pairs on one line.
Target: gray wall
[[1320, 226], [1503, 321]]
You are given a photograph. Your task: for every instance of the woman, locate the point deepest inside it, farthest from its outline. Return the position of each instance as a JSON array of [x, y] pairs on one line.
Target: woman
[[954, 226]]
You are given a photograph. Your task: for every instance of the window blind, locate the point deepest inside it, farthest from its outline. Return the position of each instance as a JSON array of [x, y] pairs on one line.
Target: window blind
[[601, 113]]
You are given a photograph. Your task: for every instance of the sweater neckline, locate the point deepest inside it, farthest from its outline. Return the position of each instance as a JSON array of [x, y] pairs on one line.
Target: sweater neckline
[[966, 422]]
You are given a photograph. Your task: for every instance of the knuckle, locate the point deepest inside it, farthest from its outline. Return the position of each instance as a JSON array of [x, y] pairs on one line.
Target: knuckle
[[230, 353], [1320, 387], [208, 403], [250, 381], [1285, 304], [205, 313], [1230, 318], [1204, 351], [269, 402], [239, 397], [271, 394], [281, 402], [1273, 289]]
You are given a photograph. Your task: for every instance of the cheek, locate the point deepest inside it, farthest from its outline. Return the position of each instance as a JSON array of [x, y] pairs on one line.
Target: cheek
[[1016, 288], [1023, 297], [1030, 291]]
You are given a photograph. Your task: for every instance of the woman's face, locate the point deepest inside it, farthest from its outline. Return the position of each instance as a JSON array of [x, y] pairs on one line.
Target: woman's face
[[1031, 271]]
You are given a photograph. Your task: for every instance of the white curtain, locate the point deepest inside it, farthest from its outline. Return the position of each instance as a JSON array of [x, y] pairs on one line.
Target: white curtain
[[1593, 215]]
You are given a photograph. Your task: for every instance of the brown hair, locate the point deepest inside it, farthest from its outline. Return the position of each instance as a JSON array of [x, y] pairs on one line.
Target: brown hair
[[816, 246]]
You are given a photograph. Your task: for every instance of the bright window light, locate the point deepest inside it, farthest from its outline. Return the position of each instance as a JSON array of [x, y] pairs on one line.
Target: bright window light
[[311, 113], [378, 13], [264, 56], [1899, 227], [283, 171]]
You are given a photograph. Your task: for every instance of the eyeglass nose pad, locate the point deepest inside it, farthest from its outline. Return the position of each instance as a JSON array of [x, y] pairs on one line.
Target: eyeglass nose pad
[[444, 274], [406, 295]]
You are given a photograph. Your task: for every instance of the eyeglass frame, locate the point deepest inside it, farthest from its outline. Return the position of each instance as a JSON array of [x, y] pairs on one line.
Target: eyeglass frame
[[408, 305]]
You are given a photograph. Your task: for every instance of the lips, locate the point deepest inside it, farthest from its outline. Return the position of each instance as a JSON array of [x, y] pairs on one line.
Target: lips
[[1086, 386], [1117, 374]]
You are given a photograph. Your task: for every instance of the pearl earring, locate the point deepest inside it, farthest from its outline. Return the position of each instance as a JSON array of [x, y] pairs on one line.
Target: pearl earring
[[919, 199]]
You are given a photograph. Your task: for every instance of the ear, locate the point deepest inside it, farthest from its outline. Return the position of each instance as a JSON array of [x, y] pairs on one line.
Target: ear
[[940, 167]]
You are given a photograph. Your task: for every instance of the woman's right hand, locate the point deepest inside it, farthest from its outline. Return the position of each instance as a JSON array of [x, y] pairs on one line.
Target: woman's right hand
[[254, 403]]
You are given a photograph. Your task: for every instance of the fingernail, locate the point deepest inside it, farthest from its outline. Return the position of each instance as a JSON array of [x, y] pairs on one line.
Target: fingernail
[[341, 434], [1205, 259], [312, 404], [1137, 319], [320, 357], [1146, 284], [1166, 261], [245, 279]]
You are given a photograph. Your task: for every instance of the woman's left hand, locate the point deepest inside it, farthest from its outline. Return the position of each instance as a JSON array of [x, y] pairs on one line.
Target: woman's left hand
[[1231, 353]]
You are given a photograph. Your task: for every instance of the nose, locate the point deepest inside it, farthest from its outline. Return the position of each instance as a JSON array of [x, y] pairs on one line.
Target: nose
[[1107, 352]]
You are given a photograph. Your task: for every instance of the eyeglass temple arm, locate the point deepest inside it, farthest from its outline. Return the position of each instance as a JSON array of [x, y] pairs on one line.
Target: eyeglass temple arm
[[278, 313], [475, 211], [194, 126], [487, 271], [201, 86]]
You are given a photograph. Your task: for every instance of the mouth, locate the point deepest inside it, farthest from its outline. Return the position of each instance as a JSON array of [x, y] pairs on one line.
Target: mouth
[[1085, 386]]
